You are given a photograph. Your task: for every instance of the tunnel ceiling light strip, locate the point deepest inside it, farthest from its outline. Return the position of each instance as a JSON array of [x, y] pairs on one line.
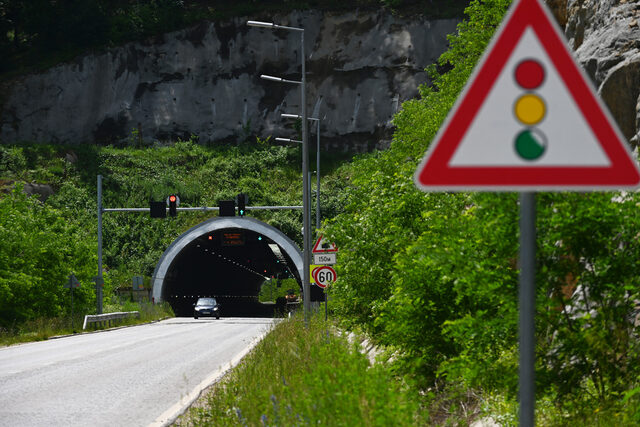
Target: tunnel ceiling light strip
[[276, 251], [240, 265]]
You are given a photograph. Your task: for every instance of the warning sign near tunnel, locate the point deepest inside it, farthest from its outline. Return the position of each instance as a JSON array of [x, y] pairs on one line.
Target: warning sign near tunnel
[[528, 120], [324, 246]]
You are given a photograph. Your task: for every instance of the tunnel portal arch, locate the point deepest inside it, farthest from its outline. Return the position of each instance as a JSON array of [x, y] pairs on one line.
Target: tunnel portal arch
[[210, 226]]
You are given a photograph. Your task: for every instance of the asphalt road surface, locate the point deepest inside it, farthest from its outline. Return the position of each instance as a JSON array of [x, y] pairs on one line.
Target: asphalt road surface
[[136, 376]]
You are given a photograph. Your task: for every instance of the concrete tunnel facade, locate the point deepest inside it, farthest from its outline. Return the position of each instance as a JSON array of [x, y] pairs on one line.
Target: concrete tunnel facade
[[181, 251]]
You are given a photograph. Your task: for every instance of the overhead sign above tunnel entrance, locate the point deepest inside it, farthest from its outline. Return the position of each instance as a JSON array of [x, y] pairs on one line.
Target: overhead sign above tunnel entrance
[[232, 238], [528, 119]]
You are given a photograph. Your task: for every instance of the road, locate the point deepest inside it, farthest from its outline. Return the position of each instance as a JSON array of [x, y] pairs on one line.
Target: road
[[136, 376]]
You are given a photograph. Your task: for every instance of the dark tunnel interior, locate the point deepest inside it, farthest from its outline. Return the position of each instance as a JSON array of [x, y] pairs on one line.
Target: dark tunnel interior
[[231, 265]]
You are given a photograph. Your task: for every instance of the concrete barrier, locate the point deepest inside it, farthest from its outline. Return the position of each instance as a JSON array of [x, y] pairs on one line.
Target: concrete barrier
[[108, 317]]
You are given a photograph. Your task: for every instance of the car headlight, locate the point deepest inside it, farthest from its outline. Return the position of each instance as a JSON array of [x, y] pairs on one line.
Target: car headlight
[[215, 308]]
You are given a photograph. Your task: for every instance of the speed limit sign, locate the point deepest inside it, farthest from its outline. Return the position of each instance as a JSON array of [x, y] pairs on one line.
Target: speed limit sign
[[324, 275]]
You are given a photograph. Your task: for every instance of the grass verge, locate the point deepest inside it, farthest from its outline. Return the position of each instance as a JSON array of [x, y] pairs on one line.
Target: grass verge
[[298, 376], [45, 328]]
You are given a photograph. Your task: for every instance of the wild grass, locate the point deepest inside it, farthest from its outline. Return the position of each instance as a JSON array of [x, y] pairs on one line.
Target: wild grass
[[44, 328], [299, 376]]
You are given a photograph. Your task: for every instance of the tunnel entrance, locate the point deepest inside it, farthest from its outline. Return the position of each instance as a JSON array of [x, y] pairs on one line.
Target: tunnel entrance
[[229, 259], [231, 265]]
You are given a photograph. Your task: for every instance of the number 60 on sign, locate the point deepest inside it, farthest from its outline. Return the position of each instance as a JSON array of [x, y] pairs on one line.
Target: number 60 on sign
[[324, 275]]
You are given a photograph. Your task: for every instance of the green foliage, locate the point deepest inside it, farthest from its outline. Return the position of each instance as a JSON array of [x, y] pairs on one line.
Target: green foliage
[[589, 245], [298, 376], [435, 275], [271, 290], [398, 246], [147, 311], [38, 250]]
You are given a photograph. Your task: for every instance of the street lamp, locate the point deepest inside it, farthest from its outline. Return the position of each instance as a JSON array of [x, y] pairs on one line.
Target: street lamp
[[272, 25], [278, 79], [288, 140], [317, 120], [306, 223]]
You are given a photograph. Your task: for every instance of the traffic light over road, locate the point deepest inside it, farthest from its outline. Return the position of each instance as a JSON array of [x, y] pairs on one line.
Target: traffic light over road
[[173, 205], [227, 208], [157, 209], [242, 204]]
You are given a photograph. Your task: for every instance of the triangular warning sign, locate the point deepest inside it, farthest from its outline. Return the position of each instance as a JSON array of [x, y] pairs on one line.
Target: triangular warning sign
[[528, 119], [324, 246]]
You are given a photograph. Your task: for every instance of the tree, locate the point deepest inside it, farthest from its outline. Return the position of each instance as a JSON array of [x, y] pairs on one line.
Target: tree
[[38, 251]]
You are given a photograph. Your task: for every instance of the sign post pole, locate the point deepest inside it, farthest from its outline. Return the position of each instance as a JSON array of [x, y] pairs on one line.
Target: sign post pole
[[99, 277], [324, 253], [326, 310], [72, 328], [72, 283], [527, 303]]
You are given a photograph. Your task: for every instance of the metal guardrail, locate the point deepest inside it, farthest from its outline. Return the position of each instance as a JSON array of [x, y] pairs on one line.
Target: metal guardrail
[[108, 317]]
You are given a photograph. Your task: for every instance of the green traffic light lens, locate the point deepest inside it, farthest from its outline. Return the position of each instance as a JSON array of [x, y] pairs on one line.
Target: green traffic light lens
[[530, 144]]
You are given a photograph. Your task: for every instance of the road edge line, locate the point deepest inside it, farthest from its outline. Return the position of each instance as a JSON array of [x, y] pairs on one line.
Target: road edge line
[[169, 416]]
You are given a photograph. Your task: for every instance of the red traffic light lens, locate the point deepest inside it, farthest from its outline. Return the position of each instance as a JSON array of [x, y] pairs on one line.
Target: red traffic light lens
[[172, 198]]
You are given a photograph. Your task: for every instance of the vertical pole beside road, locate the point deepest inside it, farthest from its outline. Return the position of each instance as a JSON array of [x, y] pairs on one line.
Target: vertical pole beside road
[[72, 328], [326, 310], [306, 201], [99, 277], [310, 210], [318, 177], [527, 303]]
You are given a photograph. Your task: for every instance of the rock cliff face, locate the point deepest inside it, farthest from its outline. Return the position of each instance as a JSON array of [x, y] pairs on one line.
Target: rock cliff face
[[205, 81], [360, 68], [606, 37]]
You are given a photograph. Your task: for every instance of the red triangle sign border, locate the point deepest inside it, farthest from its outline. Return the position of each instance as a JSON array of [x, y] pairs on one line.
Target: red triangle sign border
[[435, 172], [317, 249]]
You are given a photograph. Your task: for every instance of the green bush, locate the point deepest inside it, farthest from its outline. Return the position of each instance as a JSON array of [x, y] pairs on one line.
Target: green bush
[[403, 252], [435, 275], [298, 376], [38, 250]]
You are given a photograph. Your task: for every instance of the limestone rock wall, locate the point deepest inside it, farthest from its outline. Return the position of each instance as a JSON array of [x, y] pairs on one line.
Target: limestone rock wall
[[606, 37], [360, 68], [205, 81]]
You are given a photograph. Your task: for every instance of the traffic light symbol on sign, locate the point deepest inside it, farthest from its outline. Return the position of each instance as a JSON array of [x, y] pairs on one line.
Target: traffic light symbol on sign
[[530, 109]]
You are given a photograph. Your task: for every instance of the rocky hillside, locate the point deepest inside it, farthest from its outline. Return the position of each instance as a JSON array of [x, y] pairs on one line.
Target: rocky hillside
[[205, 81], [605, 35], [361, 66]]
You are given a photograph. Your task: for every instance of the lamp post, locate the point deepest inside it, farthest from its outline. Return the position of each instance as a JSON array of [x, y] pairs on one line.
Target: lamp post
[[306, 223], [317, 120]]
